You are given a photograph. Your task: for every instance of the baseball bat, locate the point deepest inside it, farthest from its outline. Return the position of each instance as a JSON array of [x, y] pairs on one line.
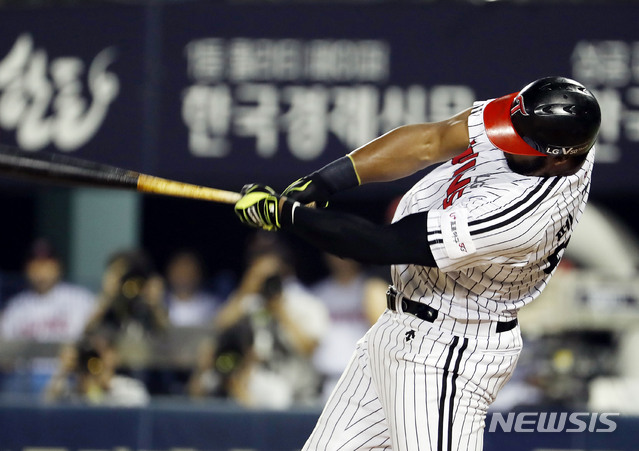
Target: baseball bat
[[50, 167]]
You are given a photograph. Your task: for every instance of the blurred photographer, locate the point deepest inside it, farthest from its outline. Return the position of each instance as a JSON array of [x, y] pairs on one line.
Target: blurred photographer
[[87, 374], [131, 301], [285, 322]]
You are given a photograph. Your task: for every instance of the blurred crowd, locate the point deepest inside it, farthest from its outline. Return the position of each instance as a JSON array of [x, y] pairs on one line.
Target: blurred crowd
[[268, 340], [273, 342]]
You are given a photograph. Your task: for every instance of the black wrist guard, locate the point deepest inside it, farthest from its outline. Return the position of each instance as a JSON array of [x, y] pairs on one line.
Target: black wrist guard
[[339, 175]]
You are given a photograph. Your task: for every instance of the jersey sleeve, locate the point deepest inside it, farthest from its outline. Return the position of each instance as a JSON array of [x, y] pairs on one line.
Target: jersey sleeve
[[462, 237]]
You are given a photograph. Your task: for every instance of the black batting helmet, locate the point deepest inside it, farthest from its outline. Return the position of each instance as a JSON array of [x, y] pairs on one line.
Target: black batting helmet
[[550, 116]]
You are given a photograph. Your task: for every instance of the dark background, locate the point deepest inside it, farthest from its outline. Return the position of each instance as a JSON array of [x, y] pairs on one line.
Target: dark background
[[494, 48]]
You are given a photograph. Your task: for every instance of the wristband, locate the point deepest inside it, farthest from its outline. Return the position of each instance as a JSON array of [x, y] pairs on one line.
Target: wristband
[[339, 175]]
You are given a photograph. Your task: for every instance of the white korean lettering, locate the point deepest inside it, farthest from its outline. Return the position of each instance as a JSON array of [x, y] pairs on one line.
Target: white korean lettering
[[306, 120], [44, 102], [206, 59], [296, 95], [449, 100], [402, 106], [602, 62], [353, 118], [265, 59], [344, 60], [260, 119], [206, 110]]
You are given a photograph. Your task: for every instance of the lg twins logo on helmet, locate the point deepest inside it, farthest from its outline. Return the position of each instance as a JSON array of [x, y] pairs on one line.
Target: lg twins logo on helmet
[[518, 106]]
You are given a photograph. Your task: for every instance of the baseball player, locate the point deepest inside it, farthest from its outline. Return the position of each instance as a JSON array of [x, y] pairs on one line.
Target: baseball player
[[470, 244]]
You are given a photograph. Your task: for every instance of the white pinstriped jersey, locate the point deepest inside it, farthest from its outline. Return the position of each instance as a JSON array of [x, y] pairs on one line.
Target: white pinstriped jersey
[[496, 235]]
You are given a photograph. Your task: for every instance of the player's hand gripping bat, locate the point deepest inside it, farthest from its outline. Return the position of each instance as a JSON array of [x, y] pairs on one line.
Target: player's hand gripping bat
[[50, 167]]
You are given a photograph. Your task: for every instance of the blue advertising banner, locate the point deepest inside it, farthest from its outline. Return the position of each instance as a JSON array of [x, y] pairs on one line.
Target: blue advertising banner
[[268, 93], [225, 94], [223, 427]]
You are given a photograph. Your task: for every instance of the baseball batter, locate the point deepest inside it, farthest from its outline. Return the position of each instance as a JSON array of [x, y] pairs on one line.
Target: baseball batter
[[475, 240]]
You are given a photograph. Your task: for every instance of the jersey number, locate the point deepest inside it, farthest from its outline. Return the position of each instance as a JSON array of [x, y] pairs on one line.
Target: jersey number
[[553, 259]]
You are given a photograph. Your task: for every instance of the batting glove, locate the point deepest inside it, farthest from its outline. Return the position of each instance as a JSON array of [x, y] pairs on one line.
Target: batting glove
[[259, 207], [309, 189]]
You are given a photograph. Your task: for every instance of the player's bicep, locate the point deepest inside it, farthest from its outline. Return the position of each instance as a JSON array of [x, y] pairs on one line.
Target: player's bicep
[[453, 136], [410, 148]]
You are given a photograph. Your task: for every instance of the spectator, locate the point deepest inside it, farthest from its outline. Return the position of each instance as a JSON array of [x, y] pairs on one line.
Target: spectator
[[355, 300], [131, 301], [188, 303], [286, 323], [225, 364], [50, 310], [87, 374]]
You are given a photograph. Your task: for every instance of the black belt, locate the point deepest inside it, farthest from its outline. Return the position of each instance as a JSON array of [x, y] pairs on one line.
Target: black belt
[[427, 313]]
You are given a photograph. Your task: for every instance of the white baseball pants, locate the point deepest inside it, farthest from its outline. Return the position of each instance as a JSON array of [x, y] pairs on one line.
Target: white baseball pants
[[415, 385]]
